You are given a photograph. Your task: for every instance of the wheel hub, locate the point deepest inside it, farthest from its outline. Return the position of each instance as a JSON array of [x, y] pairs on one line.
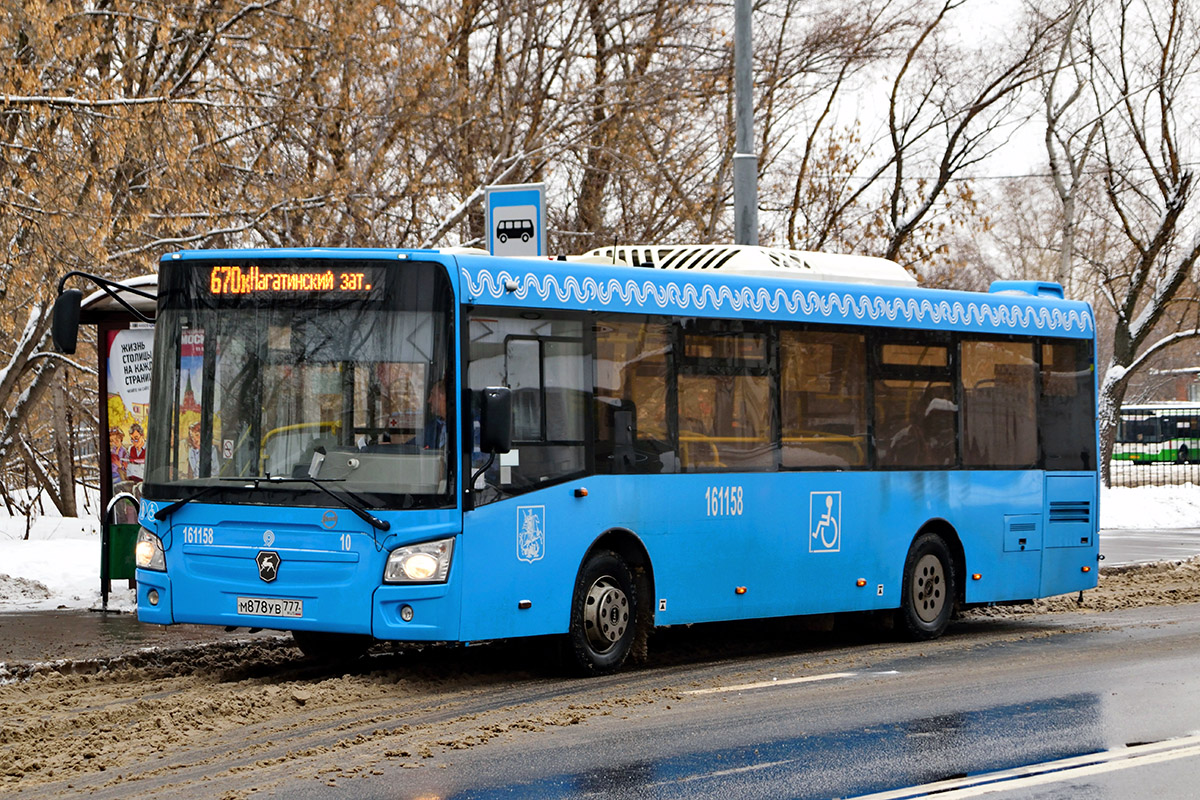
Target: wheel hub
[[929, 588], [606, 614]]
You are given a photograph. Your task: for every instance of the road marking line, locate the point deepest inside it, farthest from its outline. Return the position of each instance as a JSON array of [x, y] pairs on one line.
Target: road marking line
[[725, 773], [1066, 769], [764, 684]]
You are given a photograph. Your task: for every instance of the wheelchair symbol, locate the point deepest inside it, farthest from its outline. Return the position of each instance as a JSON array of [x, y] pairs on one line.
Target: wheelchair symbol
[[825, 522]]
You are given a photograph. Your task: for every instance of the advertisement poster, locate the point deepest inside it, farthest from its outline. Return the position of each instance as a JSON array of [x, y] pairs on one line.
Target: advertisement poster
[[129, 358], [191, 365]]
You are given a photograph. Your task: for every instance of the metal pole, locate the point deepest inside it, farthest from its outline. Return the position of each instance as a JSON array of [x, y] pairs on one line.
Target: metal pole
[[745, 161]]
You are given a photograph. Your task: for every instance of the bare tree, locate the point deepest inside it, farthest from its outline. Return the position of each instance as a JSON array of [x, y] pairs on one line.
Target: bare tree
[[131, 128], [825, 160], [1072, 125], [1142, 77], [955, 105], [949, 106]]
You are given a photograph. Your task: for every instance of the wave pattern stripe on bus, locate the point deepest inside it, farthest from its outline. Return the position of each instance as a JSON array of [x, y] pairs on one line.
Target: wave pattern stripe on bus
[[810, 302]]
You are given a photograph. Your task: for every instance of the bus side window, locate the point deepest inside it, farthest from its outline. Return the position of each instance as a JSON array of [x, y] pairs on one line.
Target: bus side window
[[915, 407], [1065, 410], [999, 404], [914, 423], [724, 422], [724, 404], [545, 364], [616, 432], [630, 390], [823, 385]]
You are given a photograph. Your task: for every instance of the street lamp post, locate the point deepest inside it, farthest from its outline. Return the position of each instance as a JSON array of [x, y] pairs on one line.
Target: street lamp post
[[745, 161]]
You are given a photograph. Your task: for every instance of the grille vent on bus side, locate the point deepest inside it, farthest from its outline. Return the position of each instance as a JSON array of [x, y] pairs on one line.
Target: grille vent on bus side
[[1022, 532], [695, 258], [1070, 511], [762, 262], [786, 260]]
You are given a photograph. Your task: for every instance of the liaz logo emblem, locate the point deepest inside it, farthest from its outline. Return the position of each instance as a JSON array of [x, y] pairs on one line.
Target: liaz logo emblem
[[268, 565], [531, 533]]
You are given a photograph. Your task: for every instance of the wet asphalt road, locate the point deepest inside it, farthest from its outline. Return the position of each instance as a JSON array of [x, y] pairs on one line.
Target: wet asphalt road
[[1139, 546], [1006, 711], [1095, 705], [1011, 704]]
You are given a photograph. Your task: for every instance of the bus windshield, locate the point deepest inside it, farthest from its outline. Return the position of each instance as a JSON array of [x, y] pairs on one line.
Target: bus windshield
[[303, 369], [1147, 429]]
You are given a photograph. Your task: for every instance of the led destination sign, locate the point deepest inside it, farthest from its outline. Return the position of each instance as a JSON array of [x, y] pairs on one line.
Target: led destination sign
[[233, 280]]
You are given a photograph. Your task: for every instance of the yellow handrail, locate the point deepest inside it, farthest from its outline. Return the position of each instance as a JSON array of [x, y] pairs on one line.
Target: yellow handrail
[[334, 426], [687, 438]]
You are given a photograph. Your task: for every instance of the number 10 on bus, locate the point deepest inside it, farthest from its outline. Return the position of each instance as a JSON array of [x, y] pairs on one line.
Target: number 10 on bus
[[723, 501]]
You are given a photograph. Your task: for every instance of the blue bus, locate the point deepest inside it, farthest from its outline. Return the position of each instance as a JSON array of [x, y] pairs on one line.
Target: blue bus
[[358, 445]]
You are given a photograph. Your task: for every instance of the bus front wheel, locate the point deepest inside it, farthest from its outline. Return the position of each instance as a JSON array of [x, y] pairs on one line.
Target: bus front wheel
[[603, 615], [927, 596]]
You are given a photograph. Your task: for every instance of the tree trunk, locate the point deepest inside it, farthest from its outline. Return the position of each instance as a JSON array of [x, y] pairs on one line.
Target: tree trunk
[[1108, 413], [1066, 258], [599, 160], [63, 428]]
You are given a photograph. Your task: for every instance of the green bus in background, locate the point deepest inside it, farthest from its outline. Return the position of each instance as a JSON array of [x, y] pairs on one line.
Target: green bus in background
[[1159, 432]]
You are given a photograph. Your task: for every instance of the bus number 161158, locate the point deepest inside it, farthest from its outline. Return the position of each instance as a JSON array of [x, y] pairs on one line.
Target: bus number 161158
[[723, 501]]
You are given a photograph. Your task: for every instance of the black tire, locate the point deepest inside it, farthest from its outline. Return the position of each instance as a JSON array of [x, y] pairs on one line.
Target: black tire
[[1181, 455], [503, 238], [524, 237], [332, 647], [604, 611], [928, 592]]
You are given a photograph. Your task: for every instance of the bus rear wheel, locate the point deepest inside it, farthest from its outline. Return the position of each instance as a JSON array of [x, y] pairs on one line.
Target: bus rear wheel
[[331, 647], [927, 596], [603, 615]]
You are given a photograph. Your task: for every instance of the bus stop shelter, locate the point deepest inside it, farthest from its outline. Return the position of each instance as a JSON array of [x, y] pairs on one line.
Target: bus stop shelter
[[124, 349]]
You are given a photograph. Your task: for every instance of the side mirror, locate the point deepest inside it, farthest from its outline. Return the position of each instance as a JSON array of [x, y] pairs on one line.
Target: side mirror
[[64, 328], [495, 419]]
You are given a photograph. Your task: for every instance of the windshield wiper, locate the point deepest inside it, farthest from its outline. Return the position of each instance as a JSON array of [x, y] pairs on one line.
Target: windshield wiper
[[362, 513], [167, 511]]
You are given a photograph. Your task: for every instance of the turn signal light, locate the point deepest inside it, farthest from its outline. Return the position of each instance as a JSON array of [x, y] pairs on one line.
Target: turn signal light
[[861, 582], [975, 576], [1087, 569], [739, 590]]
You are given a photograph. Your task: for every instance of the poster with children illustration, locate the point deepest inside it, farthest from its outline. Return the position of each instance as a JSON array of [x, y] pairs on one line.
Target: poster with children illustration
[[128, 381]]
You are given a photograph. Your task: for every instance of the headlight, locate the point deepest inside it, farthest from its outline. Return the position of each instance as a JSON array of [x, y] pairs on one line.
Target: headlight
[[148, 552], [420, 563]]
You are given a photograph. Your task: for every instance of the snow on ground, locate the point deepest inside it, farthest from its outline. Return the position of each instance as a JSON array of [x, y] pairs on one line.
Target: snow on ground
[[59, 565], [1150, 507]]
